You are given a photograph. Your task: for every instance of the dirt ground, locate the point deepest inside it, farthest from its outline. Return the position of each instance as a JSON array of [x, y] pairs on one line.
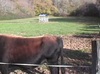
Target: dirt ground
[[77, 52]]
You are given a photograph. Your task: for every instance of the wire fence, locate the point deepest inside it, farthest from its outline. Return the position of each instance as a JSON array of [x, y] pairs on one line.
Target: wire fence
[[44, 68]]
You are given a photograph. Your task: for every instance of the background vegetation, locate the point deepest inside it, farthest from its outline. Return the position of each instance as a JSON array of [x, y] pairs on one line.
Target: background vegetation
[[45, 6], [30, 8]]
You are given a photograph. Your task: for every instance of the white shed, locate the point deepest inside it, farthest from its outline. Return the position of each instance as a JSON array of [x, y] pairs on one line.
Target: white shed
[[43, 18]]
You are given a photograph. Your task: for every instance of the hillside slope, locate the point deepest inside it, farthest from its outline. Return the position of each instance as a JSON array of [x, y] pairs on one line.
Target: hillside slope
[[19, 8]]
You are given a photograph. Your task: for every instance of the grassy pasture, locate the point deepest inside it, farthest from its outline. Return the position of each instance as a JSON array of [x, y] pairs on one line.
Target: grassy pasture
[[57, 26]]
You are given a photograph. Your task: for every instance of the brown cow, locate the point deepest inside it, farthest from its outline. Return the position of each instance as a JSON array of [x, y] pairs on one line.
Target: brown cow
[[29, 50]]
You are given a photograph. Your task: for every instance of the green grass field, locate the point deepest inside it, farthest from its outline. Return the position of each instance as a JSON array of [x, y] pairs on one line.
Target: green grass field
[[57, 26]]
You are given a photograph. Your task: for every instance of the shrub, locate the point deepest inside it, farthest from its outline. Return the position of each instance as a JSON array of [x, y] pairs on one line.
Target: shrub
[[45, 6], [86, 10]]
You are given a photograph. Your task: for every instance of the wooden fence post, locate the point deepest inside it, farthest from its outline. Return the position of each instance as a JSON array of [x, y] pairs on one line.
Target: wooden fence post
[[94, 57], [98, 57]]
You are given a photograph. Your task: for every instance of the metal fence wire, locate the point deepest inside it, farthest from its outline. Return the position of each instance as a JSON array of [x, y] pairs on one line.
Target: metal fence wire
[[44, 69]]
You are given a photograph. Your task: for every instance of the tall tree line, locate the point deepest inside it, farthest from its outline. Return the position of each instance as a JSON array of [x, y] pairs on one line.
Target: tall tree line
[[16, 8], [24, 8], [78, 7], [98, 6]]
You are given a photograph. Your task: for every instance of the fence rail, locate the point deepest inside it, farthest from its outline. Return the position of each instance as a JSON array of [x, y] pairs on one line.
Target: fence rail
[[64, 66], [69, 69]]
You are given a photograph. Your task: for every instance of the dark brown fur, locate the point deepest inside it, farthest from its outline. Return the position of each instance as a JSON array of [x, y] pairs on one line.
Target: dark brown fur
[[29, 50]]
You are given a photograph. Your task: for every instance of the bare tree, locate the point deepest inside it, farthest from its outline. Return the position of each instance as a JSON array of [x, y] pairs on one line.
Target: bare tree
[[67, 6], [98, 5], [21, 8]]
